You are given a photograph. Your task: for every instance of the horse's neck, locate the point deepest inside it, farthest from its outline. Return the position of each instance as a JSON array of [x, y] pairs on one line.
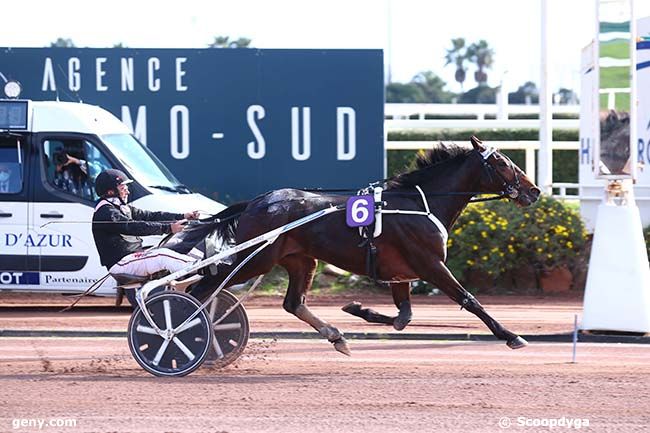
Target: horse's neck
[[459, 179]]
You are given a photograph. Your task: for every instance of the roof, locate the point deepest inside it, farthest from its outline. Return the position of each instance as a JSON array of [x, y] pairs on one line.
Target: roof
[[54, 116]]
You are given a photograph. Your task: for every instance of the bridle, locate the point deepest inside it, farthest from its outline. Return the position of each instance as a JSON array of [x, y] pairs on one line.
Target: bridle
[[509, 189]]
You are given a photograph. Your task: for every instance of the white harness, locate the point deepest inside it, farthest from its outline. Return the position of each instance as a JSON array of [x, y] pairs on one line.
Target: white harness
[[379, 210], [377, 192]]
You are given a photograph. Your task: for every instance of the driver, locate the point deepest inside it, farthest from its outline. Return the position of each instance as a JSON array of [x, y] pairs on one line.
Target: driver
[[117, 228]]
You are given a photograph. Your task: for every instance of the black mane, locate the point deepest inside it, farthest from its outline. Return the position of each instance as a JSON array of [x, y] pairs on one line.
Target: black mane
[[426, 160]]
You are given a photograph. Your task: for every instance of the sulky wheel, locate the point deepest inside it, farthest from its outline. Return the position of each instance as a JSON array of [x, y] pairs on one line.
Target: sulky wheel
[[230, 334], [170, 354]]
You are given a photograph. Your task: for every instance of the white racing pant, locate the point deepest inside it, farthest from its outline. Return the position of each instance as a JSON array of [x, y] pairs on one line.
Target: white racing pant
[[143, 263]]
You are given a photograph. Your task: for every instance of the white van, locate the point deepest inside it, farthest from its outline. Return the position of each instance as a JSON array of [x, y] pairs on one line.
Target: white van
[[46, 207]]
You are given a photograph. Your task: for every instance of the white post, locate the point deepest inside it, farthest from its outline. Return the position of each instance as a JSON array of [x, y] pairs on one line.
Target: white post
[[389, 36], [545, 175], [530, 161], [502, 99]]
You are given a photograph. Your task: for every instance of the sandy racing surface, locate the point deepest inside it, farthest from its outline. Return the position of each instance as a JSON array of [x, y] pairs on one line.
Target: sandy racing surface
[[306, 386], [438, 314]]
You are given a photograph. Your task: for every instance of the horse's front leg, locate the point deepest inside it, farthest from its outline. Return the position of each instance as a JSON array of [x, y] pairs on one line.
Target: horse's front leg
[[442, 277], [401, 296], [301, 271]]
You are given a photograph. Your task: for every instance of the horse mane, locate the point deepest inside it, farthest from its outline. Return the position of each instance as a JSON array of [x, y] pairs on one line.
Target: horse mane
[[426, 160]]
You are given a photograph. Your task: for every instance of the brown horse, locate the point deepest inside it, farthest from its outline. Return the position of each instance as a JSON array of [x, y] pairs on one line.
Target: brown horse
[[410, 247]]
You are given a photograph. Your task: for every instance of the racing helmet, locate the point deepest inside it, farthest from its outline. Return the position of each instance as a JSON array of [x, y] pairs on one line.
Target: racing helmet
[[109, 180]]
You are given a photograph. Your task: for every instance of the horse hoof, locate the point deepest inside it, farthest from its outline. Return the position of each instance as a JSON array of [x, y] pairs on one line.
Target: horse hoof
[[342, 346], [517, 343], [353, 308], [400, 324]]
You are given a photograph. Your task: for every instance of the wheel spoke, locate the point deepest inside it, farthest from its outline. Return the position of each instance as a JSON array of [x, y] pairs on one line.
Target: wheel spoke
[[217, 347], [161, 352], [188, 325], [183, 348], [213, 308], [147, 330], [226, 326], [168, 314]]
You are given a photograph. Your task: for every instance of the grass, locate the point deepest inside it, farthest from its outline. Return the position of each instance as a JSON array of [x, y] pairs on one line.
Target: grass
[[622, 102], [616, 49]]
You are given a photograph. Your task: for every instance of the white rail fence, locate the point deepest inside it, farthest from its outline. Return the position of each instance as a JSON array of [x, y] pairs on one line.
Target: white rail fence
[[397, 119]]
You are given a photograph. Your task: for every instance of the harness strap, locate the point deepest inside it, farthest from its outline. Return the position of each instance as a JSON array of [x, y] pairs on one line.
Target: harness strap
[[441, 227], [427, 213], [489, 150]]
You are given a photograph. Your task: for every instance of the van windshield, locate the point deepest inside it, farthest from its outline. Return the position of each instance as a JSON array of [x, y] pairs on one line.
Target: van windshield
[[142, 164]]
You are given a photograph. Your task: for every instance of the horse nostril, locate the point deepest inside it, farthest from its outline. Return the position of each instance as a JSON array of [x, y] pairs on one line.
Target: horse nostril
[[535, 192]]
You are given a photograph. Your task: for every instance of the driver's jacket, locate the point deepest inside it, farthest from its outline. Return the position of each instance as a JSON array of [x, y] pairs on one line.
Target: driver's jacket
[[117, 227]]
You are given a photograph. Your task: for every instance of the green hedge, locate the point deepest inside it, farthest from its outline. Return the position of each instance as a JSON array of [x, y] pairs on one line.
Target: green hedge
[[484, 134]]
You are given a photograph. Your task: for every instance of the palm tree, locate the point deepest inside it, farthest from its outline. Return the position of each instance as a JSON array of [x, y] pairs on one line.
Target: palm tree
[[481, 54], [457, 55]]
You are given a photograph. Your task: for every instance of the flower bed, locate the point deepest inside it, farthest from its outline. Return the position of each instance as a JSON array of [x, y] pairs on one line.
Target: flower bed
[[496, 244]]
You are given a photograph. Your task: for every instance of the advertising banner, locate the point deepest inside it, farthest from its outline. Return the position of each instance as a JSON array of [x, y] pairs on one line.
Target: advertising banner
[[229, 123]]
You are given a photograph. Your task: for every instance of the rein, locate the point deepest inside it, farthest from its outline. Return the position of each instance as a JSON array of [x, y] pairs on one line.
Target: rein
[[509, 190]]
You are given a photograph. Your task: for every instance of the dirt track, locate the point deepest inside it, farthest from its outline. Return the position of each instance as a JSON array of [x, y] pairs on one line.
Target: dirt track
[[298, 386]]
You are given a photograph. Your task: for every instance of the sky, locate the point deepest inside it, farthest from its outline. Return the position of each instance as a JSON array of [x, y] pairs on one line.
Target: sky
[[414, 34]]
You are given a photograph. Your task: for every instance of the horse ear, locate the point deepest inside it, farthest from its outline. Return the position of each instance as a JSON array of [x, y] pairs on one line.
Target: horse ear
[[476, 143]]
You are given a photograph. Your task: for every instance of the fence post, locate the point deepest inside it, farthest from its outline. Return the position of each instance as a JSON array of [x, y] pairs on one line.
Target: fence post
[[530, 161], [502, 99], [545, 115]]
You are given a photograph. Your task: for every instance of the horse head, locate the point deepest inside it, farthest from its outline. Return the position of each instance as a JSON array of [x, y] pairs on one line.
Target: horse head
[[502, 176]]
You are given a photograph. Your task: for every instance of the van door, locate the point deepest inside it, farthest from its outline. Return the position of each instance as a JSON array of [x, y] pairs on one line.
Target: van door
[[61, 211], [14, 271]]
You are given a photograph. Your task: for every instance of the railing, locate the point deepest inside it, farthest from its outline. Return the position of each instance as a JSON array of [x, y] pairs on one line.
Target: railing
[[397, 118], [611, 95], [481, 111]]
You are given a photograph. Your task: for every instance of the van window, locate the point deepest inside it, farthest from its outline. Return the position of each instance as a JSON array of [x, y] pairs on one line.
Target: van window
[[141, 162], [11, 168], [71, 166]]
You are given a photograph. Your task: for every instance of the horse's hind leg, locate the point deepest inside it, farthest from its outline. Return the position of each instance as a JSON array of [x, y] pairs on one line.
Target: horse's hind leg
[[368, 314], [402, 298], [301, 271], [442, 277]]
